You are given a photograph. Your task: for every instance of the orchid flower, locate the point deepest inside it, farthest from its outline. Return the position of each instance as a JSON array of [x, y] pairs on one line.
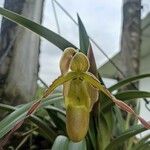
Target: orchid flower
[[78, 85]]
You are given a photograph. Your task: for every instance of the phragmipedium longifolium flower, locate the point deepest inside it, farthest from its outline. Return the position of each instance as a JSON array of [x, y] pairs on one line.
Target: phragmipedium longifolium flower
[[78, 85]]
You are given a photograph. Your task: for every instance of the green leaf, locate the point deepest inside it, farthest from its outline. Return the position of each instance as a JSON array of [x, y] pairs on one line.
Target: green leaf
[[141, 142], [144, 146], [63, 143], [51, 36], [120, 126], [92, 133], [88, 142], [8, 122], [20, 114], [58, 120], [5, 107], [126, 96], [44, 127], [55, 109], [90, 55], [108, 119], [105, 132], [83, 37], [128, 81], [132, 94], [125, 136]]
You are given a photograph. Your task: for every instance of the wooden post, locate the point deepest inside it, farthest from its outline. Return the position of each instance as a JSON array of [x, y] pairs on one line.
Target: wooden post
[[131, 38], [130, 52], [19, 69]]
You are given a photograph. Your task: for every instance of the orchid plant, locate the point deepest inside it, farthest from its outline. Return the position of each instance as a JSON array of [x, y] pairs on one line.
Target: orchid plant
[[77, 83], [81, 88]]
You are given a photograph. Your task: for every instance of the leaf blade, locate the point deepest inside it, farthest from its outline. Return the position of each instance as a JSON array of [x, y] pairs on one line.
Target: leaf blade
[[126, 96], [19, 114], [51, 36], [83, 37], [128, 81], [125, 136]]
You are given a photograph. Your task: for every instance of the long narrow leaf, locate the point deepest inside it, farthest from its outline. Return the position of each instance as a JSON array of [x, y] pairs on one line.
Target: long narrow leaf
[[58, 120], [84, 38], [145, 146], [132, 94], [125, 136], [141, 142], [19, 114], [8, 122], [45, 128], [51, 36], [50, 134], [128, 81], [126, 96]]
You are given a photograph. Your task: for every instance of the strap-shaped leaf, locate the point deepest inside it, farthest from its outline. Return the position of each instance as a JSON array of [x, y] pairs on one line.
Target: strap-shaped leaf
[[83, 37], [43, 127], [127, 108], [145, 146], [51, 36], [93, 92], [132, 94], [128, 81], [20, 114], [125, 136], [58, 119], [126, 96], [142, 141]]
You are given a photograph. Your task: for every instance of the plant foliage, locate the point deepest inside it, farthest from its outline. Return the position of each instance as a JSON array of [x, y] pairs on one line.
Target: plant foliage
[[107, 128]]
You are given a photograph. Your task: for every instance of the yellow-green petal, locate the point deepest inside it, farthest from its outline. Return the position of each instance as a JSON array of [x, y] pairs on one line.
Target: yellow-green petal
[[93, 94], [77, 122], [92, 80], [77, 94], [66, 59], [59, 81]]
